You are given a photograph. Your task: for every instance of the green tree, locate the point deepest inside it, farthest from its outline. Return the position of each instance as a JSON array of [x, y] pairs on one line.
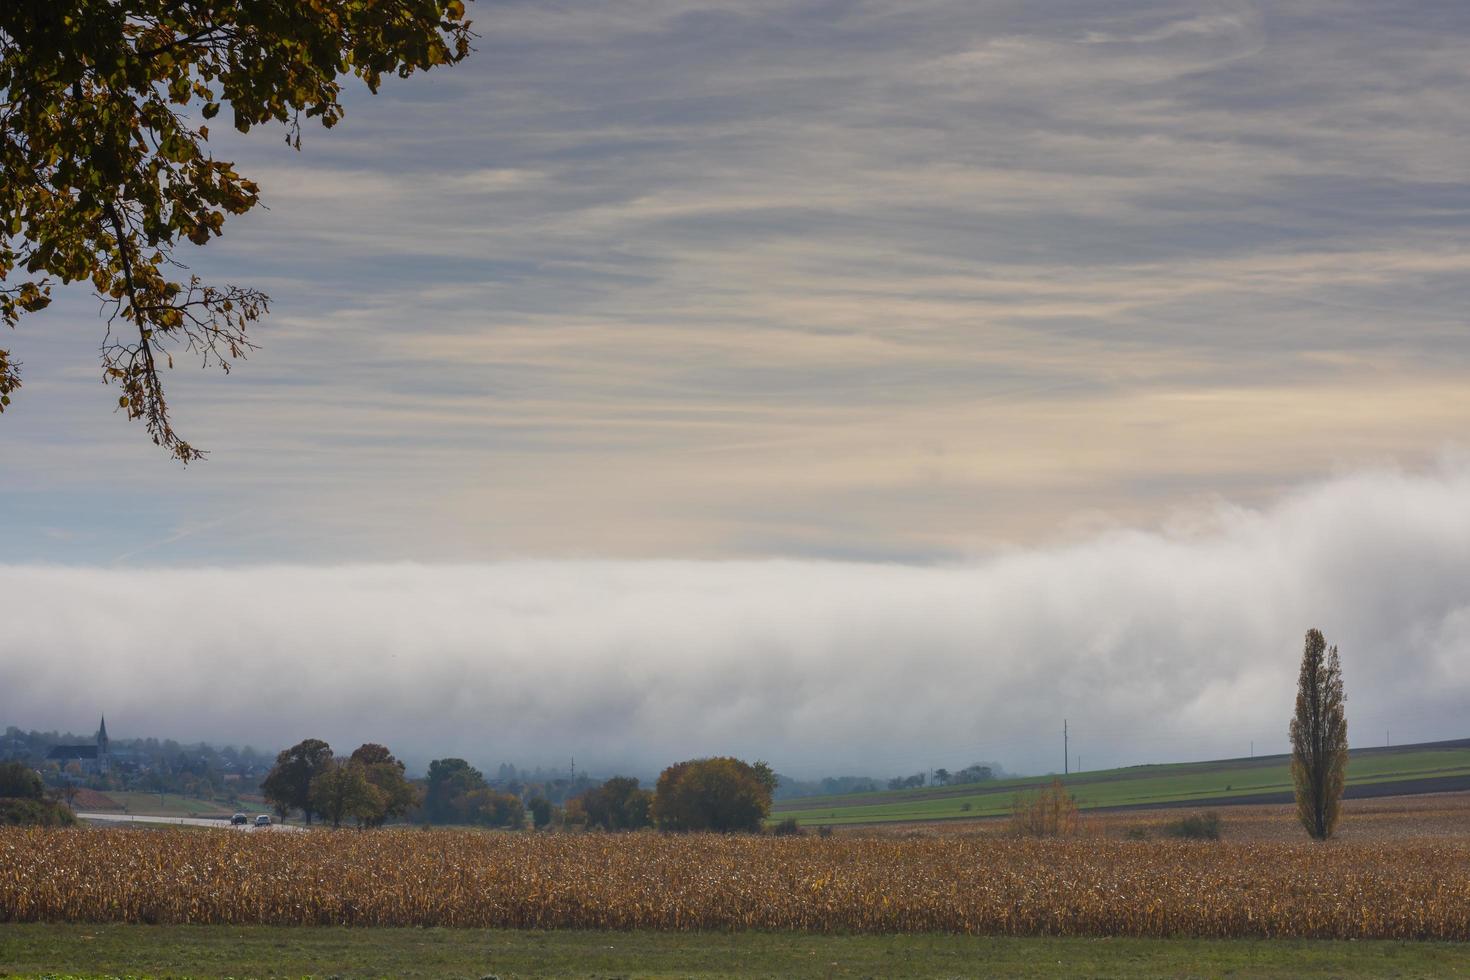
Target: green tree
[[342, 791], [288, 785], [765, 775], [618, 804], [488, 808], [20, 781], [541, 811], [720, 794], [104, 165], [1319, 747], [397, 795], [450, 782]]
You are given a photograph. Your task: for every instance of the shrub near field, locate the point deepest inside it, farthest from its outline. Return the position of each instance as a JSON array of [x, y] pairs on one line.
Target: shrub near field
[[699, 881]]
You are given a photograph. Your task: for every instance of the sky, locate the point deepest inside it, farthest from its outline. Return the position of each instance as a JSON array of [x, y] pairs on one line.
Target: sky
[[679, 377]]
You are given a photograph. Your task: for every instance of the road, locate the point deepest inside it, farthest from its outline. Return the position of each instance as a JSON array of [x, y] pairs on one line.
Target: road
[[216, 823]]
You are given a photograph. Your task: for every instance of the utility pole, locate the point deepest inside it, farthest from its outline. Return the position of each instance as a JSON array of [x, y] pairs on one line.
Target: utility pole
[[1253, 748], [1066, 758]]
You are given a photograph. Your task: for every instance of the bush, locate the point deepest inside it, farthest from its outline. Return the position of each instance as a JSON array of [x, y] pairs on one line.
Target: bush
[[1199, 826], [20, 781], [16, 812], [788, 828], [1047, 812], [824, 831]]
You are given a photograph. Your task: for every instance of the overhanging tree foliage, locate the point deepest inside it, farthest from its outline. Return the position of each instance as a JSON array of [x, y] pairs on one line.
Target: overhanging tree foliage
[[1319, 748], [104, 169]]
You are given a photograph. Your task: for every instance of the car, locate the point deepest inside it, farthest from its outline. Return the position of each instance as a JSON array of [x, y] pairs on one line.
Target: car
[[239, 819], [264, 820]]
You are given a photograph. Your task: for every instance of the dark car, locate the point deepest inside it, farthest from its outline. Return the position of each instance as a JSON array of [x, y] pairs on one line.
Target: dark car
[[239, 819]]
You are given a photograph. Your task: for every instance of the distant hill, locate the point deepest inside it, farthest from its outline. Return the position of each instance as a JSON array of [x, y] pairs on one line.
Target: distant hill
[[1428, 767]]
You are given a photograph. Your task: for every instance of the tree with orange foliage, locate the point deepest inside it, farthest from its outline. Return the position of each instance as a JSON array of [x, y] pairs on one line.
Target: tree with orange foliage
[[721, 794]]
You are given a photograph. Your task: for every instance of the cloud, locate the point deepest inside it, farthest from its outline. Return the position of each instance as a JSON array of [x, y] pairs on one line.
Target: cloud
[[900, 278], [1154, 644]]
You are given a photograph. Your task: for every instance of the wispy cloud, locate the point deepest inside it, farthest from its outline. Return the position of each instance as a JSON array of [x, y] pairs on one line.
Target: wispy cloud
[[909, 278]]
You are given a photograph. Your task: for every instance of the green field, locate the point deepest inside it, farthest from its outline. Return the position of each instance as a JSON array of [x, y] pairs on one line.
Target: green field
[[174, 805], [222, 951], [1202, 782]]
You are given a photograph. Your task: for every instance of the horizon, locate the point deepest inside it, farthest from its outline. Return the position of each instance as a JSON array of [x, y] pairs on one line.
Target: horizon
[[491, 769]]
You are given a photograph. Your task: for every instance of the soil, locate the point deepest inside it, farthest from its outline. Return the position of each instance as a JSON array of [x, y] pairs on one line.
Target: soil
[[92, 800], [1430, 816]]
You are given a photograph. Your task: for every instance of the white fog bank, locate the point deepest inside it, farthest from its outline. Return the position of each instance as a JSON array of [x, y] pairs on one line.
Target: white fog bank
[[1155, 645]]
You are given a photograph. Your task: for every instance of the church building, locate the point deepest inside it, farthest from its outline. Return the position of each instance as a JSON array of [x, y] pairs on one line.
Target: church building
[[92, 758]]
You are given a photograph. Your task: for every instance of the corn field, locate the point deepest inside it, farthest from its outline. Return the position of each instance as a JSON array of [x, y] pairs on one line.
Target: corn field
[[644, 881]]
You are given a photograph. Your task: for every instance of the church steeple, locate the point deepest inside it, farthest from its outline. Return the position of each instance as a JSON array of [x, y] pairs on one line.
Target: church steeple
[[102, 737]]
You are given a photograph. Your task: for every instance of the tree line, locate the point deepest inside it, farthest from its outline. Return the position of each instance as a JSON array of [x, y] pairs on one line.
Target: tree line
[[369, 788]]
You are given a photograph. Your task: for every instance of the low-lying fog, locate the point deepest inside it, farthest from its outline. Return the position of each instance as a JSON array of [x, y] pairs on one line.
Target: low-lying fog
[[1154, 645]]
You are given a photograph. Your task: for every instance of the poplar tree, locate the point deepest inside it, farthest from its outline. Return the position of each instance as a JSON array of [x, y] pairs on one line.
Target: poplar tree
[[1319, 748]]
